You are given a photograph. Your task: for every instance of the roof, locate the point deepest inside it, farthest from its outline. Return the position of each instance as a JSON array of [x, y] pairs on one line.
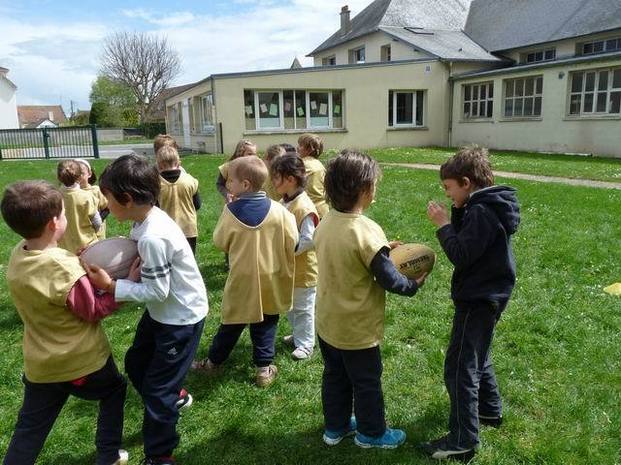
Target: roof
[[448, 45], [428, 14], [37, 123], [159, 113], [30, 114], [505, 24], [3, 73]]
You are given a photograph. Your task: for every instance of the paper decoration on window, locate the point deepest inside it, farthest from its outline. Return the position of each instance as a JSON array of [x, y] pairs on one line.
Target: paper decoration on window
[[313, 105], [300, 111], [337, 109], [273, 109], [248, 110], [323, 109], [287, 106], [263, 107]]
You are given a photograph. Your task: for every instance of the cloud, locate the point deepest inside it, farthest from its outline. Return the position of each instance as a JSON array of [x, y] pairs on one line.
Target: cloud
[[173, 20]]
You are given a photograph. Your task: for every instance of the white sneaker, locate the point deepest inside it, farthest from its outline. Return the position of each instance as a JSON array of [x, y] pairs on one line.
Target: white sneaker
[[123, 458], [301, 353], [288, 339]]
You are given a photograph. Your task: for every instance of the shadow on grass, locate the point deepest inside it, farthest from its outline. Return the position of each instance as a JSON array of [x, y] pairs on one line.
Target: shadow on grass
[[214, 274]]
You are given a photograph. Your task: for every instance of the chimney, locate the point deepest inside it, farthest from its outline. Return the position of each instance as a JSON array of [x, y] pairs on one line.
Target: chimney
[[345, 20], [50, 115]]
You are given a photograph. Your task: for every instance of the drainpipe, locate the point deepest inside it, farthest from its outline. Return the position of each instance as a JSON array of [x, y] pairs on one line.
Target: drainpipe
[[217, 126], [451, 93]]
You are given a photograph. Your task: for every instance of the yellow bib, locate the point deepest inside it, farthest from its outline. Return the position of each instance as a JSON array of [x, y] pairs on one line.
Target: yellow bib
[[80, 206], [305, 263], [176, 200], [102, 204], [315, 173]]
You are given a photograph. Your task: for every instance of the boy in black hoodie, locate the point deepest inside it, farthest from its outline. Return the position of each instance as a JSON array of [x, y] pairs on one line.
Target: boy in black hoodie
[[477, 240]]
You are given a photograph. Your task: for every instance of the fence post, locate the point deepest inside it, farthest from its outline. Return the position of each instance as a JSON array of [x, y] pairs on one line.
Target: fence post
[[46, 143], [95, 143]]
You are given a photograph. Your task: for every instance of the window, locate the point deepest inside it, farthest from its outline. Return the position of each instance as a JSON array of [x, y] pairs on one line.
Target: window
[[174, 118], [329, 61], [206, 113], [539, 55], [385, 53], [601, 46], [523, 97], [293, 109], [595, 92], [357, 55], [478, 100], [406, 108]]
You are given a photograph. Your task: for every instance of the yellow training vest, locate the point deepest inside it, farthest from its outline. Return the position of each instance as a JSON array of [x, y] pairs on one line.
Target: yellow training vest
[[80, 206], [315, 173], [270, 190], [58, 346], [350, 303], [176, 200], [102, 204], [305, 263], [262, 265]]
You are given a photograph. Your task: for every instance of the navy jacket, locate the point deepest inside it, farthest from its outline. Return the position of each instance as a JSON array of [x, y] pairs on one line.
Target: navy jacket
[[478, 243]]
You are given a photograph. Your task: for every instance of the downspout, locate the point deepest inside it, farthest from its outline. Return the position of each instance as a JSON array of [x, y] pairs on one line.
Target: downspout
[[450, 115], [217, 125]]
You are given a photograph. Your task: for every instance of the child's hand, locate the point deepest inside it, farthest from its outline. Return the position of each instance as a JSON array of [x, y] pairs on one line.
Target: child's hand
[[134, 271], [420, 281], [438, 214], [230, 198], [97, 276], [394, 244]]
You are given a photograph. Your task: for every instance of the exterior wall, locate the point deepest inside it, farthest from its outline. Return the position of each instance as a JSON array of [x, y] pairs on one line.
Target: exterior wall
[[8, 106], [106, 135], [365, 101], [373, 44], [554, 131], [201, 140]]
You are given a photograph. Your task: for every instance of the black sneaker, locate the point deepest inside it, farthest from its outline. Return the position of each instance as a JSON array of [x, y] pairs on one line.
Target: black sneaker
[[159, 461], [492, 421], [185, 400], [440, 449]]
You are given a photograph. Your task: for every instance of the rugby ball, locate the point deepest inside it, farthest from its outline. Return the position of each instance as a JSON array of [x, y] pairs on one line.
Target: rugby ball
[[412, 260], [115, 255]]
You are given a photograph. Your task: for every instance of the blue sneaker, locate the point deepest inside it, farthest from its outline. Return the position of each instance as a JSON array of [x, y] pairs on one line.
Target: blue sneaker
[[332, 438], [391, 439]]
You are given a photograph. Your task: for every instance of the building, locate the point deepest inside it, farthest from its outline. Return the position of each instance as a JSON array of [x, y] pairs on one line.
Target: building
[[8, 105], [537, 75], [40, 116]]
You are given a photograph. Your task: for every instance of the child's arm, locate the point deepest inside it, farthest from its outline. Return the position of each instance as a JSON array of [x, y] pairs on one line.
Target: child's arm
[[307, 230], [196, 201], [86, 303], [387, 275], [96, 221]]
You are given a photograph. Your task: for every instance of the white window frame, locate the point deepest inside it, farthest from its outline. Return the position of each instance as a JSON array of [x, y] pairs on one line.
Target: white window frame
[[605, 47], [413, 124], [489, 101], [206, 100], [257, 110], [388, 54], [523, 97], [308, 108], [543, 51], [174, 117], [596, 91], [355, 51], [329, 61]]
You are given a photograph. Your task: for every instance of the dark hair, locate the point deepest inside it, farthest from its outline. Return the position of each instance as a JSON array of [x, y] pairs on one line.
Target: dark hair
[[470, 162], [288, 147], [348, 176], [69, 172], [274, 151], [289, 164], [250, 168], [313, 142], [131, 176], [28, 206]]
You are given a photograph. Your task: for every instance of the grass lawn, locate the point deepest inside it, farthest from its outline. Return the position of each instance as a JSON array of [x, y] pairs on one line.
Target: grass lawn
[[557, 350], [570, 166]]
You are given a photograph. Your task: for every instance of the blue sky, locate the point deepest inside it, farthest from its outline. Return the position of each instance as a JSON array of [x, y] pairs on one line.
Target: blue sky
[[52, 47]]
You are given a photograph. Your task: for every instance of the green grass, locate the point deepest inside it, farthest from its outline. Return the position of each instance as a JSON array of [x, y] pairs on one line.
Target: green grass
[[557, 348], [570, 166]]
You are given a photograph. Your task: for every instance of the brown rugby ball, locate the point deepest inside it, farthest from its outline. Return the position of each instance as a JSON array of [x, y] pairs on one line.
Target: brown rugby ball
[[412, 260]]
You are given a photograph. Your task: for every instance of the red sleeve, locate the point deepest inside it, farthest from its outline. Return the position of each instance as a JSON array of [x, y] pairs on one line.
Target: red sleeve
[[86, 303]]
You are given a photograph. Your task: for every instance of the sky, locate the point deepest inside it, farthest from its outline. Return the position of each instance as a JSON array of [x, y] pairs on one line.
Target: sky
[[52, 47]]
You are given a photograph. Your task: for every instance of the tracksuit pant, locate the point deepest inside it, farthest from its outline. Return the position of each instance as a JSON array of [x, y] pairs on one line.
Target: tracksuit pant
[[302, 317]]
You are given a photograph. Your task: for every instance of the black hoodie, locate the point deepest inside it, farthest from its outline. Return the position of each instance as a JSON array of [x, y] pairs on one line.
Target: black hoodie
[[478, 243]]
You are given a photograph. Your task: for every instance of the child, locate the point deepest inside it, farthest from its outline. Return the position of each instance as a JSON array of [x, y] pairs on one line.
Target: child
[[477, 240], [66, 351], [164, 140], [83, 219], [271, 153], [288, 147], [289, 177], [90, 186], [173, 292], [260, 236], [179, 195], [354, 272], [244, 148], [310, 147]]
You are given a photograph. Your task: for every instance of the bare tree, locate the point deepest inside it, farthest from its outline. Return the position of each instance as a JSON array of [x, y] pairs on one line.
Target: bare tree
[[143, 62]]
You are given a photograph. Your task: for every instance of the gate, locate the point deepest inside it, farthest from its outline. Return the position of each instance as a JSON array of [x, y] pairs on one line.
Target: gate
[[46, 143]]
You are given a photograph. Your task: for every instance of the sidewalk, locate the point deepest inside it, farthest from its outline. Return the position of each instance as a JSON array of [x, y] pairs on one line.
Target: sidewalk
[[527, 177]]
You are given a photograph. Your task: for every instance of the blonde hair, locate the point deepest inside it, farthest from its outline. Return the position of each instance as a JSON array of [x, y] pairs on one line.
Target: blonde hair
[[69, 172], [163, 140], [251, 169], [274, 151], [313, 142], [167, 157], [241, 147]]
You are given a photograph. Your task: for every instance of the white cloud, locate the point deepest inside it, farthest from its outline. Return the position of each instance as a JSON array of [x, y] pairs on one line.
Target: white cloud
[[175, 19]]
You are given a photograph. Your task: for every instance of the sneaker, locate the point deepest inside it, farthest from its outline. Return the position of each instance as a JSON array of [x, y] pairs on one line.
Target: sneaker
[[391, 439], [185, 400], [266, 375], [301, 353], [493, 421], [206, 367], [168, 460], [440, 449], [123, 458], [332, 438], [288, 340]]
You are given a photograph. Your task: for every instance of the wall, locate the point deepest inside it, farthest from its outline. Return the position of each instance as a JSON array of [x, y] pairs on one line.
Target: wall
[[106, 135], [8, 106], [554, 131], [365, 102]]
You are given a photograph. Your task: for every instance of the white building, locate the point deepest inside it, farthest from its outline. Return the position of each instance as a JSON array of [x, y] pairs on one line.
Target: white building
[[8, 105]]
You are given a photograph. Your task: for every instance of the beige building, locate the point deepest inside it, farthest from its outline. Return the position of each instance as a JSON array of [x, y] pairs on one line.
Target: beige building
[[544, 77]]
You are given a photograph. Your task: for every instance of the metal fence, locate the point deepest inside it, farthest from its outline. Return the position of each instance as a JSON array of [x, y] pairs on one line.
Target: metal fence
[[46, 143]]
